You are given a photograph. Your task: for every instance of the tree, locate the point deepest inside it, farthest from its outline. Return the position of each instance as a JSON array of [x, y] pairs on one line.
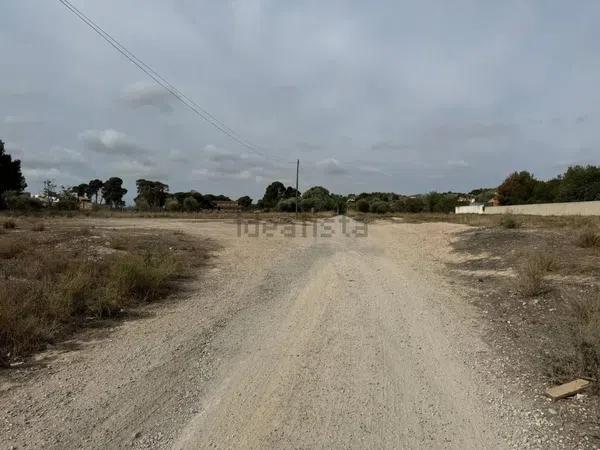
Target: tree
[[11, 178], [580, 183], [172, 204], [287, 205], [274, 192], [49, 191], [113, 192], [190, 204], [290, 192], [517, 189], [154, 193], [362, 205], [245, 202], [82, 190], [379, 207], [94, 188], [319, 199]]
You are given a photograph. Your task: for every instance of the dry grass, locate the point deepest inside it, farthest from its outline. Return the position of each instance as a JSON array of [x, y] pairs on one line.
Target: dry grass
[[580, 346], [54, 282], [508, 221], [38, 227], [9, 224], [532, 276], [588, 238]]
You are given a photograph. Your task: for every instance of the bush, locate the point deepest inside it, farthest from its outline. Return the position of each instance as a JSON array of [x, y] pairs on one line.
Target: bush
[[22, 202], [172, 205], [287, 205], [362, 206], [9, 224], [588, 238], [508, 221], [190, 204], [53, 291], [584, 315], [141, 204], [379, 207], [531, 278]]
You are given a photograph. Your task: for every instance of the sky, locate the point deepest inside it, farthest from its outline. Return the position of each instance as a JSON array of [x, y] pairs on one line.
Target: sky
[[391, 95]]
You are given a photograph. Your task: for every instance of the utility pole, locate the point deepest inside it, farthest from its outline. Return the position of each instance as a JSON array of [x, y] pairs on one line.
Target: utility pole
[[297, 171]]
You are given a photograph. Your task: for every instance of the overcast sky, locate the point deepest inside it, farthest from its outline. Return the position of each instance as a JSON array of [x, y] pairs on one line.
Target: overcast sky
[[369, 95]]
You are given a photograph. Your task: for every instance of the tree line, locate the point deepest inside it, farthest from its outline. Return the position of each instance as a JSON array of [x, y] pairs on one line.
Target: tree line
[[577, 183]]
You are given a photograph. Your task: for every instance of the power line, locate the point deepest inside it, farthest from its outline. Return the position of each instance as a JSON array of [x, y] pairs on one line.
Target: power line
[[159, 79]]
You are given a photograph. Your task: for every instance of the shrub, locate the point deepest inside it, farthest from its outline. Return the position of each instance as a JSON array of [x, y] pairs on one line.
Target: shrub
[[136, 277], [531, 279], [363, 206], [287, 205], [172, 205], [508, 221], [10, 248], [588, 238], [22, 202], [190, 204], [379, 207], [584, 316], [9, 225]]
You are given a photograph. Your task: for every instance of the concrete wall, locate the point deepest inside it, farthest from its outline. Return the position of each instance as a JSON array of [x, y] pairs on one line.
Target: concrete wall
[[549, 209], [469, 209]]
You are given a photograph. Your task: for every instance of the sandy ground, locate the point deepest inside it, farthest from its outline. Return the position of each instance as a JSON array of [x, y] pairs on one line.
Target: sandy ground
[[335, 341]]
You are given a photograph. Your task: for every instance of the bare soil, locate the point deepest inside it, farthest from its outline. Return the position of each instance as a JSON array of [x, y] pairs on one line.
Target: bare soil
[[322, 340], [536, 334]]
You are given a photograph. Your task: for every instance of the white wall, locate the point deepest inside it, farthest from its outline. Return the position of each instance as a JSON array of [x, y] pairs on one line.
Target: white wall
[[469, 209], [549, 209]]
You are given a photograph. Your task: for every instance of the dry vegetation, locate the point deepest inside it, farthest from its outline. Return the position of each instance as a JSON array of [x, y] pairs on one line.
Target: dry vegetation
[[539, 286], [58, 277]]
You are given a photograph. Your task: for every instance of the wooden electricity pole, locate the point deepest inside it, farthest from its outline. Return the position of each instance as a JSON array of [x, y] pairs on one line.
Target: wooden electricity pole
[[297, 171]]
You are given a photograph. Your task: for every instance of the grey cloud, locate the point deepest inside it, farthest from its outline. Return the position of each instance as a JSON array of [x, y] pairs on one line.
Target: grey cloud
[[389, 146], [389, 90], [143, 94], [110, 141], [331, 166]]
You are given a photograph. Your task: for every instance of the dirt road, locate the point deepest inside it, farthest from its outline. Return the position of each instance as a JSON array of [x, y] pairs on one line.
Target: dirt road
[[336, 341]]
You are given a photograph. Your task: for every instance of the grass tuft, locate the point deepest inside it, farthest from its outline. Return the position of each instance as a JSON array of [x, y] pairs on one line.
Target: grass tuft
[[588, 238], [532, 276], [38, 227], [509, 222]]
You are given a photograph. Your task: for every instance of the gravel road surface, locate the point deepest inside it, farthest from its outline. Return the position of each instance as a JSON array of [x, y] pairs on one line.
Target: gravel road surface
[[354, 340]]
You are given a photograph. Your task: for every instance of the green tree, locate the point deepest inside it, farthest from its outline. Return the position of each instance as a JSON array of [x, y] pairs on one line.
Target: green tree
[[415, 205], [273, 193], [379, 207], [82, 190], [154, 193], [190, 204], [172, 204], [113, 192], [580, 183], [95, 185], [517, 189], [362, 205], [287, 205], [11, 178], [319, 198], [245, 202]]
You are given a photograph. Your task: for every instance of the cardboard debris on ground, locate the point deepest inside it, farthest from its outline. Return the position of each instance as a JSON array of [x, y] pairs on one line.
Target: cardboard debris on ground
[[567, 389]]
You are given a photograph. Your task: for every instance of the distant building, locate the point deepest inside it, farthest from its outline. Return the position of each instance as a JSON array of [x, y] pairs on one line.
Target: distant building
[[229, 205], [84, 202]]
